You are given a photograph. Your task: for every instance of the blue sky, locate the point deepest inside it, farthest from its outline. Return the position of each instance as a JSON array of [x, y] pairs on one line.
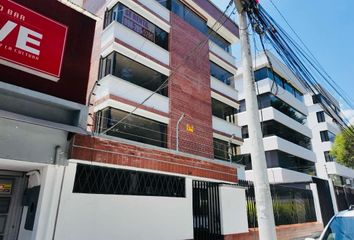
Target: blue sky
[[327, 28]]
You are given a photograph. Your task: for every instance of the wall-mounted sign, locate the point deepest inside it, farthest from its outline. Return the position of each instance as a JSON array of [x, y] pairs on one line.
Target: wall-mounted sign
[[138, 24], [190, 128], [30, 41], [5, 188]]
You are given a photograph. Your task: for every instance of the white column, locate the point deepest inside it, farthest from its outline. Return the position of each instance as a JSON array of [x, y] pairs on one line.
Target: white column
[[316, 202]]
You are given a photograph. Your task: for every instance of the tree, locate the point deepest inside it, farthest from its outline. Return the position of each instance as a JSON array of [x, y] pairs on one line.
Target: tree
[[343, 147]]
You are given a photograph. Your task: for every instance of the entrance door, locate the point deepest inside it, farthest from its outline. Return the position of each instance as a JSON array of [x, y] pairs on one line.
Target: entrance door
[[325, 199], [206, 211], [11, 192]]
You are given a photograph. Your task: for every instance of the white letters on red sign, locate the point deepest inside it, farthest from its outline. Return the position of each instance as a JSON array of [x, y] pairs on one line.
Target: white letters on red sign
[[24, 37]]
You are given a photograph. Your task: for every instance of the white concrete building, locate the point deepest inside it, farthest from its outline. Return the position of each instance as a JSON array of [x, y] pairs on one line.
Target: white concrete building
[[324, 129], [283, 113]]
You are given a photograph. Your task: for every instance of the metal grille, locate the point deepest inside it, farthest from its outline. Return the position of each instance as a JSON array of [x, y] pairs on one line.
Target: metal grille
[[104, 180], [291, 205], [206, 211]]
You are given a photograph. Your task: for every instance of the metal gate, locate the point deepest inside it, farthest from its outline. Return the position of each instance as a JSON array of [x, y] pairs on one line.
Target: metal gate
[[325, 199], [206, 211]]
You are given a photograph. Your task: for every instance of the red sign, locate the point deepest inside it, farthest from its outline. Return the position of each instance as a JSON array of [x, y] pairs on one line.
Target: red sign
[[31, 42]]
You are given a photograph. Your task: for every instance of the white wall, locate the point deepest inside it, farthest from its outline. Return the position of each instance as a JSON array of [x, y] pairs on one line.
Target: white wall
[[96, 216], [233, 210]]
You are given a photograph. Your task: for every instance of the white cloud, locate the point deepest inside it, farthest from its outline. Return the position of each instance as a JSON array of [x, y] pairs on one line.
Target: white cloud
[[349, 114]]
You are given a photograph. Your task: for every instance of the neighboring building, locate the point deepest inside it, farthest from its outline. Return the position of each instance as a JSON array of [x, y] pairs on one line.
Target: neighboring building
[[298, 135], [324, 129], [167, 170], [44, 73], [286, 138], [283, 113]]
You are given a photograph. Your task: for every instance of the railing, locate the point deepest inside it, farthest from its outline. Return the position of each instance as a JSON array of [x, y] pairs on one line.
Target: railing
[[290, 205]]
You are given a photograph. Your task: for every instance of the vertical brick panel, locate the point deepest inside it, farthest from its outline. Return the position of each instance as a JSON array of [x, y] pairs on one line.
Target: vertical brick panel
[[189, 89]]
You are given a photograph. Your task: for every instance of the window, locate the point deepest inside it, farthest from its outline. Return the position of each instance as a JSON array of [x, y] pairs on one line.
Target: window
[[320, 117], [219, 73], [264, 73], [244, 131], [223, 111], [328, 157], [218, 40], [103, 180], [294, 163], [269, 100], [188, 15], [134, 127], [327, 136], [132, 71], [274, 128], [225, 151], [137, 23]]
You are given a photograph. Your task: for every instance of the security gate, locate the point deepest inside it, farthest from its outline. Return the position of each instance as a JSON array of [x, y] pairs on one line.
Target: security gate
[[206, 211], [325, 199]]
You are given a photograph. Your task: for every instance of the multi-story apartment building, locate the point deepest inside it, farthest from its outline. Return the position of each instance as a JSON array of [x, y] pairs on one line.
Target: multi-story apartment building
[[284, 121], [160, 161], [324, 128], [297, 135]]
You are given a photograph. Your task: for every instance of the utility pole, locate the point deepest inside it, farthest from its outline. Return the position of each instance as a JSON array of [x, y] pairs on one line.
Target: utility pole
[[265, 215]]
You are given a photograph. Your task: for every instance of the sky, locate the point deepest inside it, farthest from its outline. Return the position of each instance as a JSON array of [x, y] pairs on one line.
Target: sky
[[327, 28]]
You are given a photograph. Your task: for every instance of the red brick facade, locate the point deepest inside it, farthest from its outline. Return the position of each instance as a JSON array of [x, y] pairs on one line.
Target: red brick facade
[[189, 89], [113, 152]]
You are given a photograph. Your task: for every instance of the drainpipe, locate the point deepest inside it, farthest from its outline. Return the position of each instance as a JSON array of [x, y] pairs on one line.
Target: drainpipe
[[177, 132]]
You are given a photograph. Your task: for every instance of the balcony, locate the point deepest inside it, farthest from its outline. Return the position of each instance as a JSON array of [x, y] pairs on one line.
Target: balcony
[[266, 86], [338, 169], [223, 126], [118, 31], [221, 53], [282, 175], [277, 143], [271, 113], [227, 90], [112, 85]]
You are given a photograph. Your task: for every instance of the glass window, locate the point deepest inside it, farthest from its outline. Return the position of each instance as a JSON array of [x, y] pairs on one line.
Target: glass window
[[244, 130], [261, 74], [295, 163], [188, 15], [327, 136], [218, 40], [223, 111], [328, 157], [193, 19], [134, 127], [137, 23], [226, 151], [264, 73], [269, 100], [220, 73], [320, 117], [132, 71], [274, 128]]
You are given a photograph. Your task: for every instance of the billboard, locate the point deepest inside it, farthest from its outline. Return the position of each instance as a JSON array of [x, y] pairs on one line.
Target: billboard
[[30, 41], [46, 46]]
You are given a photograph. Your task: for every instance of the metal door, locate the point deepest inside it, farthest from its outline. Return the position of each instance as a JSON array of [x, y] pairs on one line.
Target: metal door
[[206, 211], [11, 191], [325, 199]]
